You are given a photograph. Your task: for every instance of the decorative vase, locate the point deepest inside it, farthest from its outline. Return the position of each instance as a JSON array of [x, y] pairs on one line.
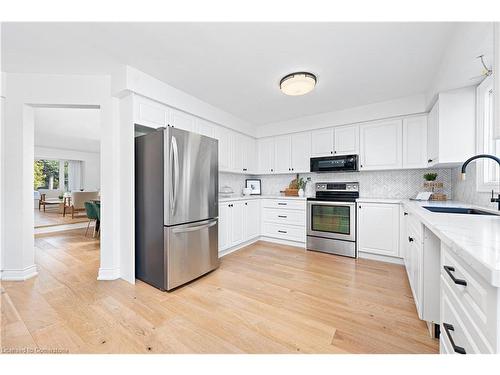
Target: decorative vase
[[301, 192]]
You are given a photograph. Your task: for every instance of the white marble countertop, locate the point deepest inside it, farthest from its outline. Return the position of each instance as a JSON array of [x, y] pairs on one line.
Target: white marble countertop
[[240, 197], [474, 238], [379, 200]]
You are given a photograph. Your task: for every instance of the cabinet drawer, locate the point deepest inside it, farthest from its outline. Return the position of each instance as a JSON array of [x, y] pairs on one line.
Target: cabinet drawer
[[477, 298], [464, 333], [287, 217], [284, 204], [286, 232]]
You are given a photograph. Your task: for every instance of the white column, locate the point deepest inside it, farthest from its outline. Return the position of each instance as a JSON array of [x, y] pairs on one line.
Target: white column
[[17, 198]]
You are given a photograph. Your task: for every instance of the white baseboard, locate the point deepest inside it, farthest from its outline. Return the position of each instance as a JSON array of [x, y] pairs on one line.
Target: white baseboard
[[108, 274], [283, 242], [63, 227], [19, 274], [237, 247], [381, 258], [261, 238]]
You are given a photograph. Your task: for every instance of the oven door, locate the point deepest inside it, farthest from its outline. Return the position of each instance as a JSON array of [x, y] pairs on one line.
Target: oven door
[[332, 220]]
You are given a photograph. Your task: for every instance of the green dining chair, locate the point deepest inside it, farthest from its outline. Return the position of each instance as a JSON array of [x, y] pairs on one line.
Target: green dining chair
[[97, 206], [91, 211]]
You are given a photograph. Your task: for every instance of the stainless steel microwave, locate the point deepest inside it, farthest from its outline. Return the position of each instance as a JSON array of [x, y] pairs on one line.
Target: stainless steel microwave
[[345, 163]]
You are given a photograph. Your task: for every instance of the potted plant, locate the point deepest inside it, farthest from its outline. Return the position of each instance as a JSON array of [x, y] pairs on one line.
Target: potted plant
[[431, 176], [301, 184]]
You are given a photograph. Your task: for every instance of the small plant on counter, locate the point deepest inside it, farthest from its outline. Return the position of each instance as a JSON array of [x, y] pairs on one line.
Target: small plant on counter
[[301, 183], [430, 176]]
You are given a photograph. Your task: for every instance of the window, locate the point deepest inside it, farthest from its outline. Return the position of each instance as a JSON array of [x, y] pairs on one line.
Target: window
[[488, 176], [46, 174]]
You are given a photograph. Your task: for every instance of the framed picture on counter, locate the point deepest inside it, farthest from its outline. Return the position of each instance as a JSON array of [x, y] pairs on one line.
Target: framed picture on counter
[[254, 185]]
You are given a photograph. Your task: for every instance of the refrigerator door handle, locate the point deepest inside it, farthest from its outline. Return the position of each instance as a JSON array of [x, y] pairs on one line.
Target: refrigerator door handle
[[174, 161], [195, 228]]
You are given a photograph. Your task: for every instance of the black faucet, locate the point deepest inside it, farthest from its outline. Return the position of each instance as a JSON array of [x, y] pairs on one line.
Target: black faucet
[[481, 156]]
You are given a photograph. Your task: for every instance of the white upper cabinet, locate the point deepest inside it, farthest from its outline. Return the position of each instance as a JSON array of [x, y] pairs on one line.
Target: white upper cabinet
[[266, 154], [381, 145], [346, 140], [225, 138], [182, 120], [283, 154], [432, 136], [205, 127], [301, 152], [415, 142], [244, 159], [150, 113], [452, 127], [322, 142], [250, 159]]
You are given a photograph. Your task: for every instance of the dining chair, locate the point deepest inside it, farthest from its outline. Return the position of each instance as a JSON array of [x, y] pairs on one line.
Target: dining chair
[[91, 211]]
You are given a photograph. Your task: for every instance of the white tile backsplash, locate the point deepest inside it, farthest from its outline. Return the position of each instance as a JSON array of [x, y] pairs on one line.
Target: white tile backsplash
[[465, 191], [372, 184]]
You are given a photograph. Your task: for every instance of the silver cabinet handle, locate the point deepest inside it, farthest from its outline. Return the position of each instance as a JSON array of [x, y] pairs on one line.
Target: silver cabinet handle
[[174, 157], [193, 229]]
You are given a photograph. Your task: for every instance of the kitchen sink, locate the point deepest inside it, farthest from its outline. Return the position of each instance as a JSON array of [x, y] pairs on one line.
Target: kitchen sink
[[459, 210]]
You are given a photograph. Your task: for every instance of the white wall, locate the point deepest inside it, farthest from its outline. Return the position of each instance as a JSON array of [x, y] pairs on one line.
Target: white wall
[[459, 66], [22, 91], [91, 163], [392, 108], [129, 79]]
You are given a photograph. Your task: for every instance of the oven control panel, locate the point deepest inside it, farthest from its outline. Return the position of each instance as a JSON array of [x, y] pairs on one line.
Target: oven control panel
[[337, 186]]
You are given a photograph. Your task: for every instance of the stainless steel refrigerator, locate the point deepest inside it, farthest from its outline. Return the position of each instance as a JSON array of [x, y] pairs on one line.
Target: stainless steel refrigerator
[[176, 207]]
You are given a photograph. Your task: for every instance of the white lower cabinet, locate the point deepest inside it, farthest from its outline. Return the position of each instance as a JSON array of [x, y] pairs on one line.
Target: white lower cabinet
[[378, 228], [470, 308], [239, 222], [284, 219]]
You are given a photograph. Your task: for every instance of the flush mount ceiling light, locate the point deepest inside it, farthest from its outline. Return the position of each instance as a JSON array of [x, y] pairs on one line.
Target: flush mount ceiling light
[[299, 83]]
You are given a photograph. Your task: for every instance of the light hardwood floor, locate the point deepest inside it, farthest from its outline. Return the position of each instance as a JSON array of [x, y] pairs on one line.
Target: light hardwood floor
[[266, 298], [52, 217]]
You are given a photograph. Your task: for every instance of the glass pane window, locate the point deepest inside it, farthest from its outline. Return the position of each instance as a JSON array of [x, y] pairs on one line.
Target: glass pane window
[[46, 173], [332, 219], [490, 145]]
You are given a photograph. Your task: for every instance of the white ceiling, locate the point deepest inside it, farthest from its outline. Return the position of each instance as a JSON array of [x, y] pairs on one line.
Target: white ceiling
[[237, 66], [68, 128]]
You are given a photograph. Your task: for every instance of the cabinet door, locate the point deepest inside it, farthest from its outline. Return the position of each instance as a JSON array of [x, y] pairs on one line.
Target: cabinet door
[[266, 152], [249, 155], [346, 140], [381, 145], [301, 152], [433, 135], [239, 153], [224, 226], [322, 142], [224, 136], [415, 142], [182, 121], [205, 127], [283, 154], [252, 219], [237, 222], [378, 230], [150, 113]]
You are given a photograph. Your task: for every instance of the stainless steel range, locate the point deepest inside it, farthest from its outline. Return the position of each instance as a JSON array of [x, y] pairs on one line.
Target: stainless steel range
[[331, 218]]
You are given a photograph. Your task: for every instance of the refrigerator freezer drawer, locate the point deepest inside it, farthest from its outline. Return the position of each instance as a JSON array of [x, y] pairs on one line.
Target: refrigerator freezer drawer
[[192, 251]]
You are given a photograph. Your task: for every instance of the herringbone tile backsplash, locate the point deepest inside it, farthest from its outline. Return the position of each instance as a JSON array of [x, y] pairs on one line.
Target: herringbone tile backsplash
[[372, 184]]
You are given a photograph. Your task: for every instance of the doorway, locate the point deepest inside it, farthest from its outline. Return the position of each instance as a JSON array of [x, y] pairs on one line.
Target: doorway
[[66, 184]]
